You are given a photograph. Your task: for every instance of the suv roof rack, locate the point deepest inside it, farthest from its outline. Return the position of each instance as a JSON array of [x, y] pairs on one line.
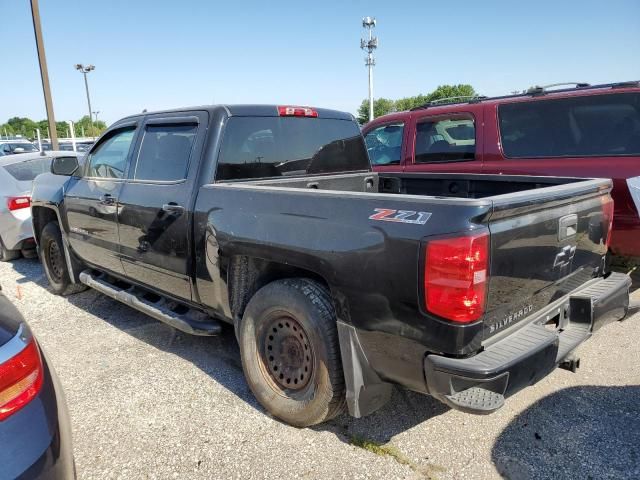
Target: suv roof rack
[[538, 89], [447, 100], [533, 91]]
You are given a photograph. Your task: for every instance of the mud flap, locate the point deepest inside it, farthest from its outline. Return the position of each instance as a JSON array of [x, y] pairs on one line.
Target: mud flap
[[366, 392]]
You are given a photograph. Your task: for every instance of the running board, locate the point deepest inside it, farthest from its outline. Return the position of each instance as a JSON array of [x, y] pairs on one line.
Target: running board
[[177, 315]]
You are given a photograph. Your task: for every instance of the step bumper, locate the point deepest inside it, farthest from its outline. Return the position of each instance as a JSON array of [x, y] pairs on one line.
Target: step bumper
[[480, 383]]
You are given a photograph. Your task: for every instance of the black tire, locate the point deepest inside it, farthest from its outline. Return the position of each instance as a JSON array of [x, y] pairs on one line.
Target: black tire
[[7, 255], [291, 354], [54, 262]]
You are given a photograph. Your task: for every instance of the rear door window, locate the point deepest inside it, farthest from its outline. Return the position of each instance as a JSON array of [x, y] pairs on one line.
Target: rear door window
[[445, 140], [384, 144], [598, 125], [165, 152], [267, 147]]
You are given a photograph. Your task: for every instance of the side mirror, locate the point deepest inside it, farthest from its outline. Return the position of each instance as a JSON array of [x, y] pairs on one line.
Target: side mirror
[[66, 166], [18, 150]]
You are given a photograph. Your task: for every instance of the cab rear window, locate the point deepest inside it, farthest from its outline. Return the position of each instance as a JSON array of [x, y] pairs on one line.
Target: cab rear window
[[27, 171], [598, 125], [268, 147]]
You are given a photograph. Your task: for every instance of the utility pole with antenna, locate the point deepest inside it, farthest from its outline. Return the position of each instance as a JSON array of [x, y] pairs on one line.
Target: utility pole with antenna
[[369, 45]]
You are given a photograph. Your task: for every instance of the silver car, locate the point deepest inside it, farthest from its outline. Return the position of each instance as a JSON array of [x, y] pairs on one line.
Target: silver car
[[16, 178]]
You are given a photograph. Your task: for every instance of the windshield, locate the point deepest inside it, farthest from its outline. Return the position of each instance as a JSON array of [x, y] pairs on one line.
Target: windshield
[[264, 147]]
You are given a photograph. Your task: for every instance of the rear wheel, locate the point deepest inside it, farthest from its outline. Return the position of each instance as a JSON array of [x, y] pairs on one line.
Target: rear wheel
[[290, 352], [54, 261], [7, 255]]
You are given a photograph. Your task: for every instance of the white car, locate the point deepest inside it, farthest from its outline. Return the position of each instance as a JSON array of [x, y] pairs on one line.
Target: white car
[[17, 172], [16, 147]]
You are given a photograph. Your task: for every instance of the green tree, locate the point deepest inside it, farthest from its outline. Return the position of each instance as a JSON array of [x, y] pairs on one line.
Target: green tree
[[381, 106], [84, 124], [449, 91], [22, 126], [408, 103]]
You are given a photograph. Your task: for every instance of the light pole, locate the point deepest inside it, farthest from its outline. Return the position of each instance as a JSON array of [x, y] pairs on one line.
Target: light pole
[[96, 115], [81, 68], [369, 45]]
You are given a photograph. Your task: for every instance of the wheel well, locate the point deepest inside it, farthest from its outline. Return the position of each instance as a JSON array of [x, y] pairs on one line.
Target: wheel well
[[41, 216], [247, 275]]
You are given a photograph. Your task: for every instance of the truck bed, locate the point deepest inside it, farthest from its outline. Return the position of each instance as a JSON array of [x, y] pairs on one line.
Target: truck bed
[[423, 184], [531, 265]]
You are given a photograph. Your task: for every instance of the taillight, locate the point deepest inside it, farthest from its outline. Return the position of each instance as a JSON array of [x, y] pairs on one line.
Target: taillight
[[607, 217], [455, 277], [20, 380], [297, 112], [17, 203]]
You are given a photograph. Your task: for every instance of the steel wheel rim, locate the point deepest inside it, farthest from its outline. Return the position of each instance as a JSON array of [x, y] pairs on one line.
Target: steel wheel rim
[[286, 353], [55, 261]]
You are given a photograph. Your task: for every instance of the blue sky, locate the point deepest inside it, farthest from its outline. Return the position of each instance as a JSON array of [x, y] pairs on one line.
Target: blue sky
[[164, 54]]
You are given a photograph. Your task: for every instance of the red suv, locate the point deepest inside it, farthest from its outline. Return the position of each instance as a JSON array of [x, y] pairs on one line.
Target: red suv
[[585, 131]]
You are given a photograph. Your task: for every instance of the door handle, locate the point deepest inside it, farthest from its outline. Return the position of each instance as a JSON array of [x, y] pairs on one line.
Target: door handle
[[107, 199], [173, 208]]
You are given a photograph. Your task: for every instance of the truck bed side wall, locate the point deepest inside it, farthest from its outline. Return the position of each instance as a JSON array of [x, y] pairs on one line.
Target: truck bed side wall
[[373, 268]]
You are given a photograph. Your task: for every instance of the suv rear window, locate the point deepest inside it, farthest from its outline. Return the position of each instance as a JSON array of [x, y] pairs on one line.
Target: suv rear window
[[599, 125], [266, 147], [27, 171]]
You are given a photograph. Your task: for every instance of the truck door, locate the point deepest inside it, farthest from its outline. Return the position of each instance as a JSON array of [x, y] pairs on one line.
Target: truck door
[[91, 203], [156, 203]]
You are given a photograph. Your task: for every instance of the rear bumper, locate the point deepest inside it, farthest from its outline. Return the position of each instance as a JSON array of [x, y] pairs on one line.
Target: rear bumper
[[15, 228], [480, 383]]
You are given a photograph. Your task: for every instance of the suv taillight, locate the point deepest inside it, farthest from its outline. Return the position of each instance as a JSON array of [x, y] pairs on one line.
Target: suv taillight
[[17, 203], [20, 380], [455, 277]]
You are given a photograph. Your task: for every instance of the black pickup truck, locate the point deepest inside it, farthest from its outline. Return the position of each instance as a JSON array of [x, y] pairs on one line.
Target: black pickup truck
[[340, 282]]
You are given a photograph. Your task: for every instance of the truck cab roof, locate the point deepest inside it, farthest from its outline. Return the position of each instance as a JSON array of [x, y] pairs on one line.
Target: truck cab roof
[[250, 110]]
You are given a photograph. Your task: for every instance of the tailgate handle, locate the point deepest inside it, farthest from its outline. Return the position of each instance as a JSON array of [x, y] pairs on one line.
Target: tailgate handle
[[568, 226]]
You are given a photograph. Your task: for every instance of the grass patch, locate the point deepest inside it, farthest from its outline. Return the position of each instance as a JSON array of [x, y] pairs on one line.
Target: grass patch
[[390, 451], [380, 449]]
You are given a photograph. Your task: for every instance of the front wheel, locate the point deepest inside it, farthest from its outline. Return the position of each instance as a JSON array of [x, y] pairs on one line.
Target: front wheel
[[54, 261], [291, 354]]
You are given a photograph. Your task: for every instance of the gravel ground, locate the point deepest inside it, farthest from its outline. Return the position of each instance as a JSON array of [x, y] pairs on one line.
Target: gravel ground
[[149, 402]]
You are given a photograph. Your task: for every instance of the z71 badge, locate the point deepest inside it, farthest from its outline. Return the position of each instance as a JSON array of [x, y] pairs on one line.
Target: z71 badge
[[402, 216]]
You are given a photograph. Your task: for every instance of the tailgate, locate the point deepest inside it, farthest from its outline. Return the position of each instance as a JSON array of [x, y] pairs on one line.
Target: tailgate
[[544, 244]]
